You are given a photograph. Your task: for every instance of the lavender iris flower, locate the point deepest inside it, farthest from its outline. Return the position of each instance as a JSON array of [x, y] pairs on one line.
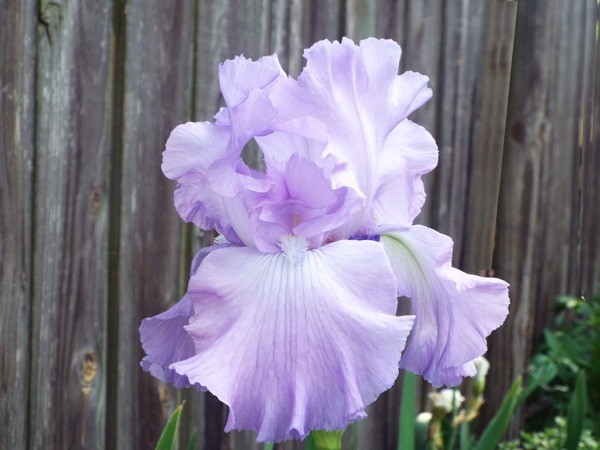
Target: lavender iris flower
[[290, 318]]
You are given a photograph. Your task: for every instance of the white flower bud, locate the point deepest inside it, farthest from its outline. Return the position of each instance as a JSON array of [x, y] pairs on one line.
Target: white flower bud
[[442, 400]]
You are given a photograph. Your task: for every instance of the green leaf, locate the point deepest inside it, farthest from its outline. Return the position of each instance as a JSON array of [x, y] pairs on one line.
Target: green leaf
[[576, 414], [192, 442], [499, 423], [541, 376], [466, 439], [453, 428], [269, 446], [167, 438], [553, 344], [406, 436]]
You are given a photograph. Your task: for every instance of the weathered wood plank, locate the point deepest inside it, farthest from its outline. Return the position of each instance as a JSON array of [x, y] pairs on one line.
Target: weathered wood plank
[[361, 19], [589, 266], [490, 102], [461, 50], [17, 51], [324, 21], [152, 71], [70, 214], [419, 29], [538, 219]]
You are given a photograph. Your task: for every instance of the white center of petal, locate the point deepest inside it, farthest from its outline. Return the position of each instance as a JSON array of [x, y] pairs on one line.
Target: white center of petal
[[294, 247]]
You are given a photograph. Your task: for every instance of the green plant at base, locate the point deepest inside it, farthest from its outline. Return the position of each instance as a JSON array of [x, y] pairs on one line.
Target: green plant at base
[[572, 346], [168, 437], [551, 438]]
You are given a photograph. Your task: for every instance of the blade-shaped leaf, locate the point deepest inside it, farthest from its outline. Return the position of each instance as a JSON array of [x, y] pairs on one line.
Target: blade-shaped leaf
[[576, 414], [499, 423], [192, 442], [466, 438], [167, 438]]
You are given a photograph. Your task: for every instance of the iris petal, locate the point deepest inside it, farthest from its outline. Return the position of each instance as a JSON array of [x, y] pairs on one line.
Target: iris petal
[[408, 153], [355, 90], [298, 340], [164, 338], [165, 341], [455, 311]]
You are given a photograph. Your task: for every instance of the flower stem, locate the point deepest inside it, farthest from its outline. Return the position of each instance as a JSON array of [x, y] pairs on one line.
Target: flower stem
[[327, 440]]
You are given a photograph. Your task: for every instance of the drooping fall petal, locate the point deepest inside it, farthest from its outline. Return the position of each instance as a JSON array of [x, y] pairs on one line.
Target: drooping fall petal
[[298, 340], [455, 311]]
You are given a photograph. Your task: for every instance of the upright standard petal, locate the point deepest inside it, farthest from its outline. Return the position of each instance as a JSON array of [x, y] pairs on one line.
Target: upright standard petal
[[409, 152], [355, 90], [455, 311], [295, 341]]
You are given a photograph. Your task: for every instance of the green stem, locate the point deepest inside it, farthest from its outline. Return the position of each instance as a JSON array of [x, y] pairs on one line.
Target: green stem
[[327, 440], [406, 439]]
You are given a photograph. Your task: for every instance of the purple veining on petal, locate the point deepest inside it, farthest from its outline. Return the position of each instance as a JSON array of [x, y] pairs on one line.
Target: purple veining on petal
[[366, 237], [291, 321], [318, 342]]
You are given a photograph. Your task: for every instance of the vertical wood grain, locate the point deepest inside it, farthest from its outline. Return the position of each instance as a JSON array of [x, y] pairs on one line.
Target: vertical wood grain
[[17, 91], [419, 28], [462, 50], [486, 140], [156, 39], [538, 217], [70, 212], [589, 143]]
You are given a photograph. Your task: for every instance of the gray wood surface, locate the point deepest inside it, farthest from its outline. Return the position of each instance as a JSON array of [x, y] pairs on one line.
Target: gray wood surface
[[538, 217], [153, 71], [67, 405], [90, 242], [17, 92]]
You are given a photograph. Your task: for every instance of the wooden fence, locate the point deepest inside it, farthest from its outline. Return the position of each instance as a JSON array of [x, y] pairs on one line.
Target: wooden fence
[[90, 242]]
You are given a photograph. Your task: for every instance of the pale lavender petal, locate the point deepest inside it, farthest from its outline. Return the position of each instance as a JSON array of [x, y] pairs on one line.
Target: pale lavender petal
[[304, 201], [245, 85], [164, 338], [238, 77], [455, 311], [355, 90], [295, 341], [410, 92], [165, 341], [408, 153], [191, 150]]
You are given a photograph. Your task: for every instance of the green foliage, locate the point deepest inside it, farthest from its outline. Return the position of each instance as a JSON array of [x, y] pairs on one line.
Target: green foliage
[[192, 443], [499, 423], [571, 347], [576, 415], [168, 437], [551, 438]]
